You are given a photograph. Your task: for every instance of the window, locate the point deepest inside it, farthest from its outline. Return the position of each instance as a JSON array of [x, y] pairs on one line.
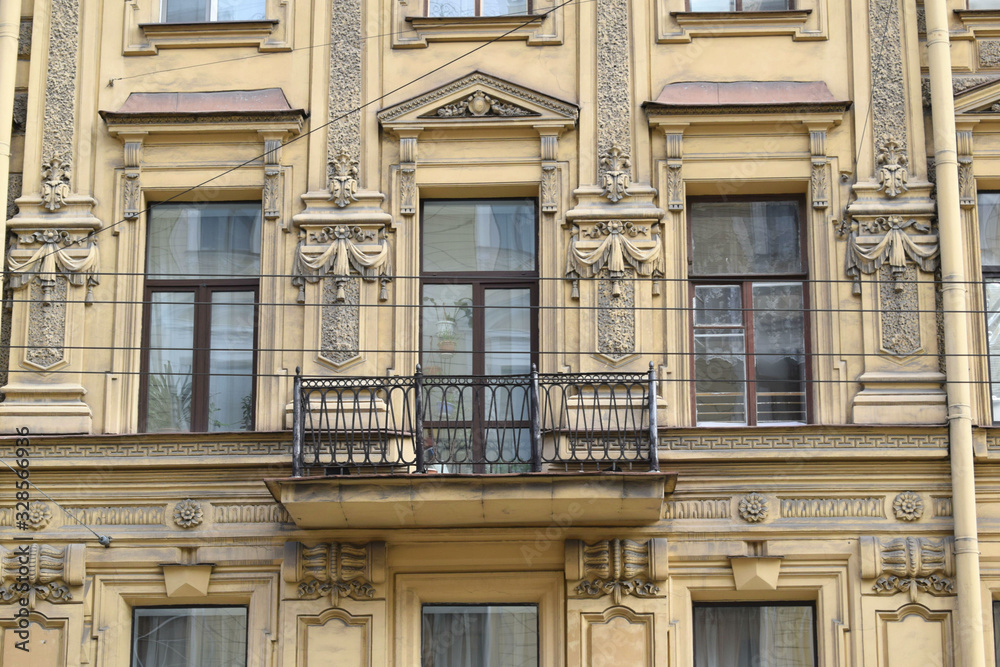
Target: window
[[984, 4], [748, 308], [202, 268], [996, 632], [989, 246], [479, 289], [740, 5], [754, 635], [448, 8], [189, 637], [495, 635], [196, 11]]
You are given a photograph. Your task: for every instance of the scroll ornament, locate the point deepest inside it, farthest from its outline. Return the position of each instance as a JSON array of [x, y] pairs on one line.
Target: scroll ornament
[[335, 569], [347, 247], [908, 565], [40, 572], [344, 179], [620, 567], [58, 255], [872, 243], [616, 251]]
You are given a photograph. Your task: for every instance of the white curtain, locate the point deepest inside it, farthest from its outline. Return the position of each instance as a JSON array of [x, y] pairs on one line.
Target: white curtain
[[753, 636], [479, 636]]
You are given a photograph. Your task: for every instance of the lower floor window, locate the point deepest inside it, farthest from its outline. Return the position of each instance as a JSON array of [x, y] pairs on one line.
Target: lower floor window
[[189, 637], [754, 635], [494, 635]]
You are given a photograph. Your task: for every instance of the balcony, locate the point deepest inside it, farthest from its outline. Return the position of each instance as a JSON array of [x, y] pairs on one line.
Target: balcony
[[387, 451]]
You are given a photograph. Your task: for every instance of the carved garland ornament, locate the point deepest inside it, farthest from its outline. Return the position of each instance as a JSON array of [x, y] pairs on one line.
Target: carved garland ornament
[[478, 105], [618, 568]]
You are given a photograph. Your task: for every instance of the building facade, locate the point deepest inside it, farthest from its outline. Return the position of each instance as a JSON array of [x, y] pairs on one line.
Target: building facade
[[539, 332]]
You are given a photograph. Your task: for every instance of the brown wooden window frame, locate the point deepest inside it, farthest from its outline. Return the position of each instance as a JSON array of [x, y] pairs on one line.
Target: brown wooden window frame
[[746, 282], [202, 288]]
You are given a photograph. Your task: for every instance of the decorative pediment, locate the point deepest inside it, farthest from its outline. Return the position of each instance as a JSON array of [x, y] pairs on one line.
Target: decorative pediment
[[479, 98], [979, 100]]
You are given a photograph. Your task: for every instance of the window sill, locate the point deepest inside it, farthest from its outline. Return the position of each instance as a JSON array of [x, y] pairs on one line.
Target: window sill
[[536, 29], [777, 18], [207, 34]]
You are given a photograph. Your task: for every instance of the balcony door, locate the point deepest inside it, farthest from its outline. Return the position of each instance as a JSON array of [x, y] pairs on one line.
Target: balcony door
[[478, 331]]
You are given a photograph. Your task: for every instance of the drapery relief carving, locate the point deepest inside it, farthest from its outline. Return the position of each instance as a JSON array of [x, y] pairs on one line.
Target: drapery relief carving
[[60, 102], [337, 255], [51, 570], [616, 567], [343, 148], [615, 252], [335, 569], [908, 565], [49, 261], [889, 126], [614, 108], [874, 242]]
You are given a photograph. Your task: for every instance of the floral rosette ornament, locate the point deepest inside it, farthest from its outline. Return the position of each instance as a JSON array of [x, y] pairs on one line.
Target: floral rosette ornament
[[753, 507], [908, 506], [39, 516], [188, 513]]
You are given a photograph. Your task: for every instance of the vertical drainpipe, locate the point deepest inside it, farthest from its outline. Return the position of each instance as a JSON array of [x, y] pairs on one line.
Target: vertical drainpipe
[[963, 481], [10, 23]]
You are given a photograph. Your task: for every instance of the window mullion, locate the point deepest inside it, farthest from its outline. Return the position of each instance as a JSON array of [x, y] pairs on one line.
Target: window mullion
[[748, 352], [200, 358]]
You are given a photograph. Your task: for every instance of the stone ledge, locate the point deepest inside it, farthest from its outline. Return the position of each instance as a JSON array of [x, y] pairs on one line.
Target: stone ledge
[[425, 501]]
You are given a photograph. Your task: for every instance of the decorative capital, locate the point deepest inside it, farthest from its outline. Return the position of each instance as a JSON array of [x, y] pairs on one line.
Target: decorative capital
[[616, 173], [908, 565], [616, 567], [343, 179], [40, 572], [335, 569]]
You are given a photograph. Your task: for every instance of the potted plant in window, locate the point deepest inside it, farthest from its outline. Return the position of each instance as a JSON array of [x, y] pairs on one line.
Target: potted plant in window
[[448, 315]]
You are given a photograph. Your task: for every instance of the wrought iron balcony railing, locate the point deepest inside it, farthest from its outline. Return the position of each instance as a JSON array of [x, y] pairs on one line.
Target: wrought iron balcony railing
[[475, 424]]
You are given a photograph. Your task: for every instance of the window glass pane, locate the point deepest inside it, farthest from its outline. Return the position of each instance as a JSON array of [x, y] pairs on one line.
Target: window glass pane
[[989, 228], [508, 331], [765, 5], [753, 636], [230, 392], [447, 329], [745, 237], [712, 5], [504, 7], [189, 637], [496, 235], [215, 240], [720, 374], [171, 325], [984, 4], [451, 8], [718, 305], [996, 632], [779, 352], [185, 11], [993, 338], [240, 10], [461, 636]]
